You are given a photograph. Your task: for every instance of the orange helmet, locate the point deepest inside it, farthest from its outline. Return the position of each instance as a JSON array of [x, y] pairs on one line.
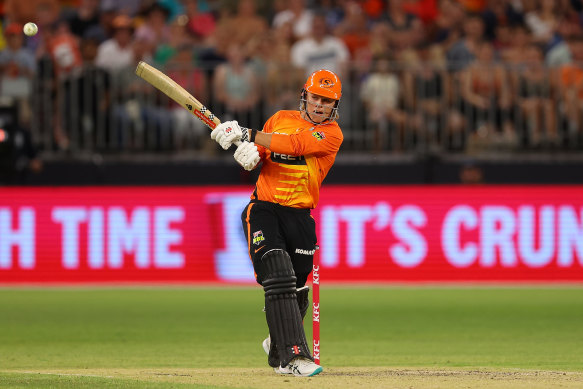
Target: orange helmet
[[324, 83]]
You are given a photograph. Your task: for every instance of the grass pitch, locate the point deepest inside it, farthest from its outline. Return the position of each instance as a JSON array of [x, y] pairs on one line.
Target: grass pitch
[[371, 337]]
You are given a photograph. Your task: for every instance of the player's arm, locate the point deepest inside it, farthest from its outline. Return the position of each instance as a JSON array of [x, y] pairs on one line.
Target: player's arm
[[322, 141]]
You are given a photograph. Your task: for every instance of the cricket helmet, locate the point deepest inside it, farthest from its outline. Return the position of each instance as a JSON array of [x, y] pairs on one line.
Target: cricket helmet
[[322, 83]]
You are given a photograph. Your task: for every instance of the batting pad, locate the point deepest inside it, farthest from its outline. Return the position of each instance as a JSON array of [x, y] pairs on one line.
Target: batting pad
[[281, 307]]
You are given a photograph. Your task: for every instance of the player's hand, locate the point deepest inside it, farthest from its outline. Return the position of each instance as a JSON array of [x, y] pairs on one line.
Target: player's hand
[[228, 133], [247, 155]]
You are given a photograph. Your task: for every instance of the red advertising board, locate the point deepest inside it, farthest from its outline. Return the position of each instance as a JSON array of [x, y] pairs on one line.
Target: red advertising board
[[366, 233]]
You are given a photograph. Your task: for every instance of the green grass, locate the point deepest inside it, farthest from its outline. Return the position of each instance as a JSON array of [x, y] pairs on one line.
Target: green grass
[[13, 380], [43, 329]]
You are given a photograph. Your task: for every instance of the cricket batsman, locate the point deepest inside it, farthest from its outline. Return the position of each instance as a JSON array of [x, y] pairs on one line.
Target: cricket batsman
[[297, 149]]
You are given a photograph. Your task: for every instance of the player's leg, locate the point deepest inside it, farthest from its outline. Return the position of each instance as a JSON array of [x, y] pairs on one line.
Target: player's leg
[[283, 314], [274, 271], [302, 295]]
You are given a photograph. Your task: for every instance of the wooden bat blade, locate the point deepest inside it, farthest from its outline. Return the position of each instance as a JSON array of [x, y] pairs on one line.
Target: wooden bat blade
[[177, 93]]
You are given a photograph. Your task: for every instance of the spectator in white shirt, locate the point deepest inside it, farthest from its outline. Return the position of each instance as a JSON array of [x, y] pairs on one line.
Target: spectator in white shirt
[[117, 53], [298, 15], [321, 50]]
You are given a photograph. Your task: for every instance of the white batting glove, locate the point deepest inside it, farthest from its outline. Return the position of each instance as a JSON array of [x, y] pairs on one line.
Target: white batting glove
[[247, 155], [228, 133]]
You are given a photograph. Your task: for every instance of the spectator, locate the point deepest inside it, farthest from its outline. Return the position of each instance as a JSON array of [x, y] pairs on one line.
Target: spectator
[[86, 98], [236, 87], [353, 30], [571, 92], [154, 31], [284, 81], [178, 37], [21, 12], [84, 17], [299, 16], [519, 45], [245, 28], [320, 51], [426, 93], [336, 11], [201, 25], [378, 46], [487, 99], [543, 21], [446, 28], [63, 48], [117, 53], [17, 68], [45, 19], [499, 13], [16, 61], [463, 52], [380, 93], [534, 94], [406, 29]]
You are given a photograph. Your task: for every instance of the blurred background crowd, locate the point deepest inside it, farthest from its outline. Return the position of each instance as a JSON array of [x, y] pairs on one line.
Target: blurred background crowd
[[419, 76]]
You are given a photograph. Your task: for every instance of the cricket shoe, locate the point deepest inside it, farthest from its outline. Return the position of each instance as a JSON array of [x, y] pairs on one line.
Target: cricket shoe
[[303, 367], [272, 356]]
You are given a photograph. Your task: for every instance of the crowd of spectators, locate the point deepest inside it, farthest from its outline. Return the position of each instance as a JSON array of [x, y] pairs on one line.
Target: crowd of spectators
[[448, 74]]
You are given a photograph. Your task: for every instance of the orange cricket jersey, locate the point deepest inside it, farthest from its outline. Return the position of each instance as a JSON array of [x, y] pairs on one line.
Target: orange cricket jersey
[[299, 158]]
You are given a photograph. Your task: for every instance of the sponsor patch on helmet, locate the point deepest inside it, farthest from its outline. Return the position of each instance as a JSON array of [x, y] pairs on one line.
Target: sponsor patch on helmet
[[318, 135], [326, 82]]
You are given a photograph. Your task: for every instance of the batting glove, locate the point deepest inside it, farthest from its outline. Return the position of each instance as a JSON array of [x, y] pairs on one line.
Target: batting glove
[[228, 133], [247, 155]]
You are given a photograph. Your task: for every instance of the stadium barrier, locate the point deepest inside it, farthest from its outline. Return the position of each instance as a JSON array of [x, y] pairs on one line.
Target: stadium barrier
[[366, 234]]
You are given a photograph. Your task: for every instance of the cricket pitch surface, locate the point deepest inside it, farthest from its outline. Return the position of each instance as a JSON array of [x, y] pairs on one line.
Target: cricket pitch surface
[[340, 377]]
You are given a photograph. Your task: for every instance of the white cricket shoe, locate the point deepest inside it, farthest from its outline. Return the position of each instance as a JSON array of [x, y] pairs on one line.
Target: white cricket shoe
[[303, 367], [279, 370]]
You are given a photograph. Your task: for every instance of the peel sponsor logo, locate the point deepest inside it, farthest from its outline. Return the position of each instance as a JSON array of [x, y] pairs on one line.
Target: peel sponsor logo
[[316, 312], [288, 159], [305, 252]]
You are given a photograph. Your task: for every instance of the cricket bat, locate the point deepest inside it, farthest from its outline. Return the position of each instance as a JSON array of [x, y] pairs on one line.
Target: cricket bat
[[177, 93]]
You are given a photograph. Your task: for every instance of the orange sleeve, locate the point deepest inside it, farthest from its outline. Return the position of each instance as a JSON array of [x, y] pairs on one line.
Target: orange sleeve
[[322, 141]]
